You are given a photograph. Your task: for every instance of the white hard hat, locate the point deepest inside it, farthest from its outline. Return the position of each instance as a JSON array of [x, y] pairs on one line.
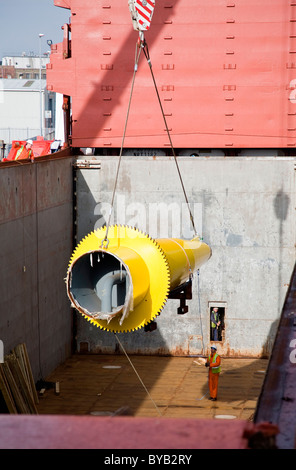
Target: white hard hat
[[30, 141]]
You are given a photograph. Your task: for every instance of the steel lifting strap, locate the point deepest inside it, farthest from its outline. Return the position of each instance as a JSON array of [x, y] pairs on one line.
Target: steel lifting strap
[[105, 241]]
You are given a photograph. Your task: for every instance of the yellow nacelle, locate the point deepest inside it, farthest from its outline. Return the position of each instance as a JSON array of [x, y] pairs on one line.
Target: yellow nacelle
[[123, 286]]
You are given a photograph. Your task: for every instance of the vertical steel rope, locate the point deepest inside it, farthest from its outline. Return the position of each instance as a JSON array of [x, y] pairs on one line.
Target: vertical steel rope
[[146, 52], [137, 57]]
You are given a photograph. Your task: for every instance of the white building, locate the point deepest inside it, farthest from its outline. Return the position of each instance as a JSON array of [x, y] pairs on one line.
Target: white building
[[27, 66], [27, 110]]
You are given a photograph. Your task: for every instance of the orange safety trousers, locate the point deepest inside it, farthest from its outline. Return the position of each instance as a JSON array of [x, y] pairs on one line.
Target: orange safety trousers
[[215, 361], [213, 384]]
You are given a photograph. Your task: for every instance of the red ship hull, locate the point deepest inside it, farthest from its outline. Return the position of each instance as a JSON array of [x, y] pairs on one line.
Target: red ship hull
[[225, 72]]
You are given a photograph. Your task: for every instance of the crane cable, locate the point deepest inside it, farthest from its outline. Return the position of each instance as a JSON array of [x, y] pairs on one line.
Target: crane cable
[[105, 242], [144, 386], [146, 53], [142, 45], [199, 311]]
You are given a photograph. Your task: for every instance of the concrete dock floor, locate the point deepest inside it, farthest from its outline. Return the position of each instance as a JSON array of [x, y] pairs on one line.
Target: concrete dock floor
[[151, 386]]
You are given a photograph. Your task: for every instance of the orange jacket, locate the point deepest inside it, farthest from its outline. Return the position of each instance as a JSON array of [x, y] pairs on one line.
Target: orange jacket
[[22, 152]]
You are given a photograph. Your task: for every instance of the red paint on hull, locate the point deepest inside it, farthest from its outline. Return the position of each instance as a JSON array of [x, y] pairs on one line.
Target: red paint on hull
[[225, 72]]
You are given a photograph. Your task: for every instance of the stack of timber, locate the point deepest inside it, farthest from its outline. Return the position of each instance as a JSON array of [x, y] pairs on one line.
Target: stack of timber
[[17, 384]]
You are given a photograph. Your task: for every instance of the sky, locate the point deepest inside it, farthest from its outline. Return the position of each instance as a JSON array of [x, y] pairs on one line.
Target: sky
[[21, 22]]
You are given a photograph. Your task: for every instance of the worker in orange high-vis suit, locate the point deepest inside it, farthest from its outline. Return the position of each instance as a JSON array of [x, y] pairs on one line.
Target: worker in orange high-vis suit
[[24, 151], [214, 364]]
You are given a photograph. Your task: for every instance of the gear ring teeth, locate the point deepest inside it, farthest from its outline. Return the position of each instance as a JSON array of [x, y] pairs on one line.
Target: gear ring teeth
[[89, 243]]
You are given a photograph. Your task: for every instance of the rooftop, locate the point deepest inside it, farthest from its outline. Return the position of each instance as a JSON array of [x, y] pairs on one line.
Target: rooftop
[[14, 84]]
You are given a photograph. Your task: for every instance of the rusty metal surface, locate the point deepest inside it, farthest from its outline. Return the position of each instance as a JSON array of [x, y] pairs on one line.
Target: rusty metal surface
[[91, 432], [277, 401]]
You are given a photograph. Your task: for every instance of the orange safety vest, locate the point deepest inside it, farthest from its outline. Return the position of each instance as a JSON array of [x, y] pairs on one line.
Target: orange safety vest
[[215, 369], [213, 325], [23, 153]]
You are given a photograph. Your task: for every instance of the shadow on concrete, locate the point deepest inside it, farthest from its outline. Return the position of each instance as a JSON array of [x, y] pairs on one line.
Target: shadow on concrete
[[281, 205]]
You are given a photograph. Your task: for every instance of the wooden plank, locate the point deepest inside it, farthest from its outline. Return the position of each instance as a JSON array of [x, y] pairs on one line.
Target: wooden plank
[[4, 387], [18, 399], [18, 351], [35, 395], [16, 382], [21, 384], [23, 357]]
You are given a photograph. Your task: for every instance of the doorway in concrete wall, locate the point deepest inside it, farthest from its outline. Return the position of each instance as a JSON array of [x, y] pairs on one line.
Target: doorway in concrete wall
[[217, 311]]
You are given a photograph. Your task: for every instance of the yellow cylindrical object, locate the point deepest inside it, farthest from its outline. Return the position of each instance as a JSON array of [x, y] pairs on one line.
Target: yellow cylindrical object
[[184, 257], [125, 284]]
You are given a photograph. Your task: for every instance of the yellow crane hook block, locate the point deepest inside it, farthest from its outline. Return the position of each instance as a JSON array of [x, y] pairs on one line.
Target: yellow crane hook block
[[124, 286]]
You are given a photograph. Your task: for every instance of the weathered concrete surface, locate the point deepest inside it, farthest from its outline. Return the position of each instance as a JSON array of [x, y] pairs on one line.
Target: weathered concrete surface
[[36, 219], [244, 207]]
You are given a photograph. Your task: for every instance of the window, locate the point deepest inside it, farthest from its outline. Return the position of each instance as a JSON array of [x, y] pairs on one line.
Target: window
[[217, 312]]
